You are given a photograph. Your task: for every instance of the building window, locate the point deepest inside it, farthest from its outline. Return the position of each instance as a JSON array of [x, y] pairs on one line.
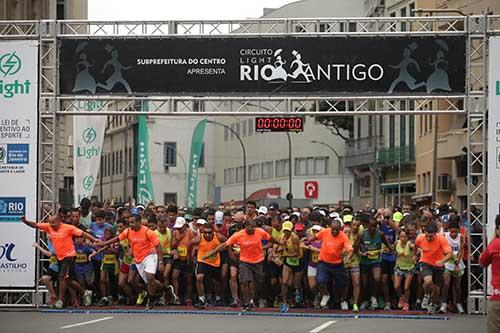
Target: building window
[[61, 9], [359, 128], [267, 170], [300, 166], [239, 174], [113, 163], [229, 176], [170, 154], [370, 126], [121, 162], [321, 165], [238, 127], [310, 166], [244, 128], [381, 126], [282, 168], [403, 14], [392, 121], [254, 172], [429, 181], [411, 138], [169, 198], [411, 9], [232, 132], [108, 165], [430, 123], [130, 159], [250, 126], [226, 134], [402, 130]]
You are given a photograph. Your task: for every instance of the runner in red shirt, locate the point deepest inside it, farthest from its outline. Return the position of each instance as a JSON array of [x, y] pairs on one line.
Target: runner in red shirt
[[148, 254], [61, 236], [491, 255]]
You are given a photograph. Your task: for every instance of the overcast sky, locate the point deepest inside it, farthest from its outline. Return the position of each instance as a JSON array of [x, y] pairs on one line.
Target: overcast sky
[[179, 9]]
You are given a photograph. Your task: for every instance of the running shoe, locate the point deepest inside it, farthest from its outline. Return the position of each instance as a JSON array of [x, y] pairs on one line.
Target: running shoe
[[344, 306], [262, 303], [87, 298], [460, 308], [406, 307], [276, 303], [235, 303], [252, 303], [103, 302], [324, 300], [59, 304], [364, 306], [110, 300], [170, 293], [284, 308], [425, 302], [355, 308], [317, 299], [150, 303], [246, 308], [176, 301], [387, 307], [141, 297], [201, 303], [443, 308], [374, 303], [161, 301], [401, 302], [431, 309], [298, 296], [219, 301]]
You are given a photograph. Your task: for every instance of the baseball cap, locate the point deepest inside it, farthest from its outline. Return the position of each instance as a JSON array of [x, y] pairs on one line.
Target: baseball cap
[[219, 217], [140, 207], [179, 222], [316, 227], [188, 217], [135, 211], [322, 212], [397, 217], [262, 210], [334, 215], [296, 214], [299, 227], [199, 221], [274, 205], [287, 226]]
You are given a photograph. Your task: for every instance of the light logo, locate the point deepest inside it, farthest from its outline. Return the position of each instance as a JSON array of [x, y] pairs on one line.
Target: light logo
[[10, 64]]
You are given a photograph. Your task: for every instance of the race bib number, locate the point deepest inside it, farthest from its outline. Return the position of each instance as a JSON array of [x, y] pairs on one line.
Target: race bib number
[[81, 258], [373, 255], [182, 251], [109, 259], [315, 257], [292, 261]]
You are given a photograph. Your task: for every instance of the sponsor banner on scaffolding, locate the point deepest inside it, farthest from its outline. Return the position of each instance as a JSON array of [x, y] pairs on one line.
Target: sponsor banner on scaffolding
[[88, 138], [18, 160], [493, 140], [194, 163], [287, 65], [145, 191]]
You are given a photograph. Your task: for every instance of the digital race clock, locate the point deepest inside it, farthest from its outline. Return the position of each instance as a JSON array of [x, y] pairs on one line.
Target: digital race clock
[[279, 124]]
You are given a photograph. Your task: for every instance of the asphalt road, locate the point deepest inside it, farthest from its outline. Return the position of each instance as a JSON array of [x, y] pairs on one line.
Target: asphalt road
[[151, 322]]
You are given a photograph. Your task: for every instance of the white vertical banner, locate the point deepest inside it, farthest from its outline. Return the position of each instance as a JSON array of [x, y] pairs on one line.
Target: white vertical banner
[[493, 140], [88, 138], [18, 160]]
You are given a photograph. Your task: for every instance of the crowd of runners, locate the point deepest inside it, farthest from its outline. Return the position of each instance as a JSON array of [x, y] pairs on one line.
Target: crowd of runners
[[334, 258]]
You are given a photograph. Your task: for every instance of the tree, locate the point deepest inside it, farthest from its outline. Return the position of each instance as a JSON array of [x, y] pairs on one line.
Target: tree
[[336, 124]]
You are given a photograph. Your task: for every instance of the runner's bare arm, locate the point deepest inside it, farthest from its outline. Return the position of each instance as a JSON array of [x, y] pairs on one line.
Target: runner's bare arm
[[195, 240], [221, 237], [28, 223], [275, 241], [214, 251], [231, 254], [447, 257], [109, 242], [91, 238], [384, 239], [42, 250]]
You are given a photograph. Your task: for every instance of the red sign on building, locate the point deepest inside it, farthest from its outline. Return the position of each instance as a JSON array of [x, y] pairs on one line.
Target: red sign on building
[[311, 189]]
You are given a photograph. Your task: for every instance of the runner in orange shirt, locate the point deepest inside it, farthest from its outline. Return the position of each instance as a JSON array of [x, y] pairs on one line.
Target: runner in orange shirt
[[331, 264], [435, 251], [61, 236], [183, 261], [147, 252], [210, 267], [251, 258]]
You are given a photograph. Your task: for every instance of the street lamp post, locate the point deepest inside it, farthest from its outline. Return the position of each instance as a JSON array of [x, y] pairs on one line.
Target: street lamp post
[[244, 157], [340, 162], [183, 163]]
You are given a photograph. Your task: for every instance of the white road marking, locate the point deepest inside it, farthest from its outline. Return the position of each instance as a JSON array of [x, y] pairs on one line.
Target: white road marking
[[86, 322], [322, 327]]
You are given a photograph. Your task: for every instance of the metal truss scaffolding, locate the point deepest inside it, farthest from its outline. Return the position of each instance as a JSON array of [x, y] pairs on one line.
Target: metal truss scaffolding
[[53, 106]]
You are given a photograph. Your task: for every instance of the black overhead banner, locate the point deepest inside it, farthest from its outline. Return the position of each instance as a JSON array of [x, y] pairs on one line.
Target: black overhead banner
[[307, 65]]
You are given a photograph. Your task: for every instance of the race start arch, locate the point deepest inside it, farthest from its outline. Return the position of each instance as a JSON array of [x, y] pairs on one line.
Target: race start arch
[[250, 67]]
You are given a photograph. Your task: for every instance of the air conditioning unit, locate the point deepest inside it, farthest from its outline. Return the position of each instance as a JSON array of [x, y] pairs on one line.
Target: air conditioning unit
[[444, 183]]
